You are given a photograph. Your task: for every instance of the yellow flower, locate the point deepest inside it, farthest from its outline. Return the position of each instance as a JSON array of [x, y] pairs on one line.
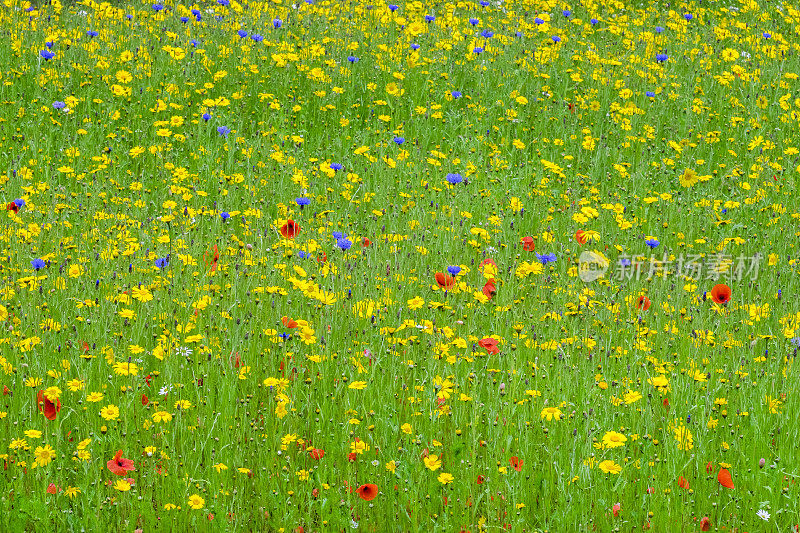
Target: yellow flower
[[432, 462], [52, 393], [219, 467], [358, 385], [610, 467], [122, 485], [162, 416], [75, 271], [406, 428], [391, 466], [551, 413], [415, 303], [71, 492], [196, 502], [44, 455], [110, 412], [33, 434], [75, 385], [612, 439], [688, 178], [445, 478], [123, 368], [95, 397]]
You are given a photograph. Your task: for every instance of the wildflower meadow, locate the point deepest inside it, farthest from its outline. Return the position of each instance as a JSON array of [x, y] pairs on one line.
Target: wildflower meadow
[[484, 265]]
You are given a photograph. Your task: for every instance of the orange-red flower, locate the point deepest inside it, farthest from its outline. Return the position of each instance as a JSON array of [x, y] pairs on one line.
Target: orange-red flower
[[444, 281], [365, 242], [581, 236], [367, 492], [47, 407], [527, 244], [290, 229], [490, 344], [120, 466], [211, 257], [724, 478], [480, 479], [288, 322], [516, 463], [12, 206], [643, 303], [683, 483], [721, 294], [705, 524], [490, 289], [317, 454]]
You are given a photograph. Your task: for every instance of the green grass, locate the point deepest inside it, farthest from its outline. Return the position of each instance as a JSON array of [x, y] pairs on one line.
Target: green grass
[[550, 138]]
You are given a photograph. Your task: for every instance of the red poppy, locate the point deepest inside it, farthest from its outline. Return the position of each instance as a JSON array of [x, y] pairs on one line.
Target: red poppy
[[317, 454], [445, 281], [323, 258], [616, 509], [145, 399], [12, 206], [516, 463], [490, 345], [710, 468], [721, 294], [288, 322], [481, 479], [724, 478], [365, 242], [352, 457], [47, 407], [290, 229], [367, 492], [53, 489], [490, 289], [643, 303], [683, 483], [665, 402], [6, 390], [705, 524], [120, 466], [581, 236], [210, 258], [527, 244]]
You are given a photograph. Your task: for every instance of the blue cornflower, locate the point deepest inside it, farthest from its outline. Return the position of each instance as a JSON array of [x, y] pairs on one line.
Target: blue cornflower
[[661, 58], [223, 130], [474, 22], [795, 341], [519, 34], [225, 215], [242, 33], [206, 117], [352, 59], [546, 258], [477, 50], [556, 39], [277, 23], [336, 166], [20, 202], [184, 19], [162, 262], [257, 38], [339, 235], [224, 2], [302, 255], [59, 105], [652, 243], [766, 35], [393, 8], [688, 16], [399, 140], [38, 264], [537, 20], [659, 29], [593, 21], [625, 262], [429, 18], [49, 44], [92, 33], [485, 3], [157, 7], [195, 12], [454, 179], [285, 336], [302, 201], [486, 34], [567, 13], [456, 94], [47, 55], [344, 244], [650, 94], [414, 46], [453, 270]]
